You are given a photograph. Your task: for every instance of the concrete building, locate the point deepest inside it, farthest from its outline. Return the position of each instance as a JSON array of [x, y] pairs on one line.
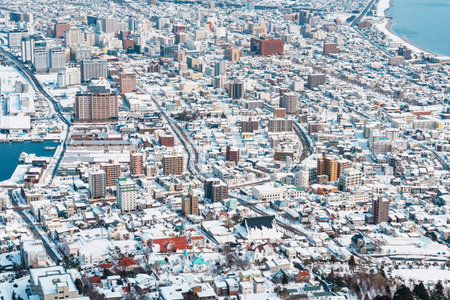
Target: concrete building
[[189, 204], [136, 164], [127, 82], [173, 164], [349, 179], [97, 183], [98, 103], [289, 101], [126, 195], [280, 125], [112, 171], [93, 68], [380, 210], [264, 47]]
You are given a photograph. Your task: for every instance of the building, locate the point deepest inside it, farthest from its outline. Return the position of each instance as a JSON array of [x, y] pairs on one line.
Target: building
[[236, 90], [380, 210], [97, 183], [280, 125], [266, 47], [127, 82], [33, 253], [279, 113], [126, 195], [331, 167], [15, 38], [112, 171], [189, 204], [57, 59], [219, 68], [349, 179], [53, 283], [166, 140], [232, 54], [27, 48], [98, 103], [330, 48], [60, 29], [93, 68], [249, 126], [302, 178], [136, 164], [315, 80], [208, 187], [40, 60], [173, 165], [219, 192], [232, 154], [73, 37], [289, 101]]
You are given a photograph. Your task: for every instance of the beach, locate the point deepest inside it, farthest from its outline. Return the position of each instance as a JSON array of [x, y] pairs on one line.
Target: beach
[[385, 27]]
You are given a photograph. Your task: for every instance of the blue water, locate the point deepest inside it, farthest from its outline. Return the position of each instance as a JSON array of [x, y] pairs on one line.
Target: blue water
[[10, 153], [424, 23]]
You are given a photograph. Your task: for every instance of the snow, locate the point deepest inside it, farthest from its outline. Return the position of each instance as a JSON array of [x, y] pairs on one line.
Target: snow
[[425, 275]]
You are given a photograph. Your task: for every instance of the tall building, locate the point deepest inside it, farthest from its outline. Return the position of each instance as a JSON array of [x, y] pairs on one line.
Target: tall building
[[219, 68], [330, 48], [27, 47], [93, 68], [73, 37], [302, 178], [349, 179], [40, 60], [189, 204], [57, 59], [280, 125], [289, 101], [136, 163], [60, 29], [380, 210], [126, 195], [97, 183], [331, 167], [208, 187], [173, 164], [266, 47], [232, 54], [98, 103], [249, 126], [15, 38], [112, 171], [220, 192], [236, 90], [127, 82], [232, 154], [315, 80]]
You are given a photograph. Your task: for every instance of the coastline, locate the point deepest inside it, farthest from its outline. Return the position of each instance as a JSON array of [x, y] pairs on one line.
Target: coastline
[[385, 27]]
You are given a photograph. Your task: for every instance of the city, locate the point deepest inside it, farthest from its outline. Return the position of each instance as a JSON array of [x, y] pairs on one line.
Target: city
[[249, 149]]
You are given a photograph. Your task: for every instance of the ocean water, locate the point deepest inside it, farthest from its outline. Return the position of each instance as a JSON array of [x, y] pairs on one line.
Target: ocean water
[[10, 153], [424, 23]]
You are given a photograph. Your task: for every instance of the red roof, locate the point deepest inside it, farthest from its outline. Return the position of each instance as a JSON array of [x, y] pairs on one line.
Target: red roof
[[127, 262], [303, 273], [106, 265], [94, 279], [172, 244]]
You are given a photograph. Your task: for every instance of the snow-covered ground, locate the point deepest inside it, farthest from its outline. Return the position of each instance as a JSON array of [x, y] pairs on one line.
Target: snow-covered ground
[[425, 275]]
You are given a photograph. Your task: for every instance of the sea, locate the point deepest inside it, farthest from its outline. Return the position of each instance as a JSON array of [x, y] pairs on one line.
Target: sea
[[10, 153], [424, 23]]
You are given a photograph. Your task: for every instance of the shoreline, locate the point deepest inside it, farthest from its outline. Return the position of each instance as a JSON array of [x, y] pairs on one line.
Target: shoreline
[[385, 27]]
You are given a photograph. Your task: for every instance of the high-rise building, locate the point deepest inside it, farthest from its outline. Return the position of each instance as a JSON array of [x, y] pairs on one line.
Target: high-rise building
[[112, 171], [15, 38], [93, 68], [236, 90], [332, 167], [126, 195], [232, 54], [57, 59], [315, 80], [349, 179], [189, 204], [289, 102], [302, 178], [136, 163], [173, 164], [232, 154], [180, 38], [219, 68], [27, 47], [280, 125], [127, 82], [208, 187], [40, 60], [97, 183], [380, 210], [220, 192], [330, 48], [60, 29], [249, 126], [73, 37], [266, 47], [98, 103]]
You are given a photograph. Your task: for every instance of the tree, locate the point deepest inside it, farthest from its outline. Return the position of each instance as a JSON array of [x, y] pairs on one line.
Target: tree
[[438, 292], [352, 262], [403, 293], [79, 285], [421, 292], [284, 279]]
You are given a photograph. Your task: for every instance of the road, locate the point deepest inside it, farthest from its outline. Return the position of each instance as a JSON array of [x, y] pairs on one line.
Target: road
[[38, 87], [362, 14], [36, 229]]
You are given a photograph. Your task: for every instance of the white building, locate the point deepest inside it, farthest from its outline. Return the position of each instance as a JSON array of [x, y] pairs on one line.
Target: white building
[[126, 195], [268, 192]]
